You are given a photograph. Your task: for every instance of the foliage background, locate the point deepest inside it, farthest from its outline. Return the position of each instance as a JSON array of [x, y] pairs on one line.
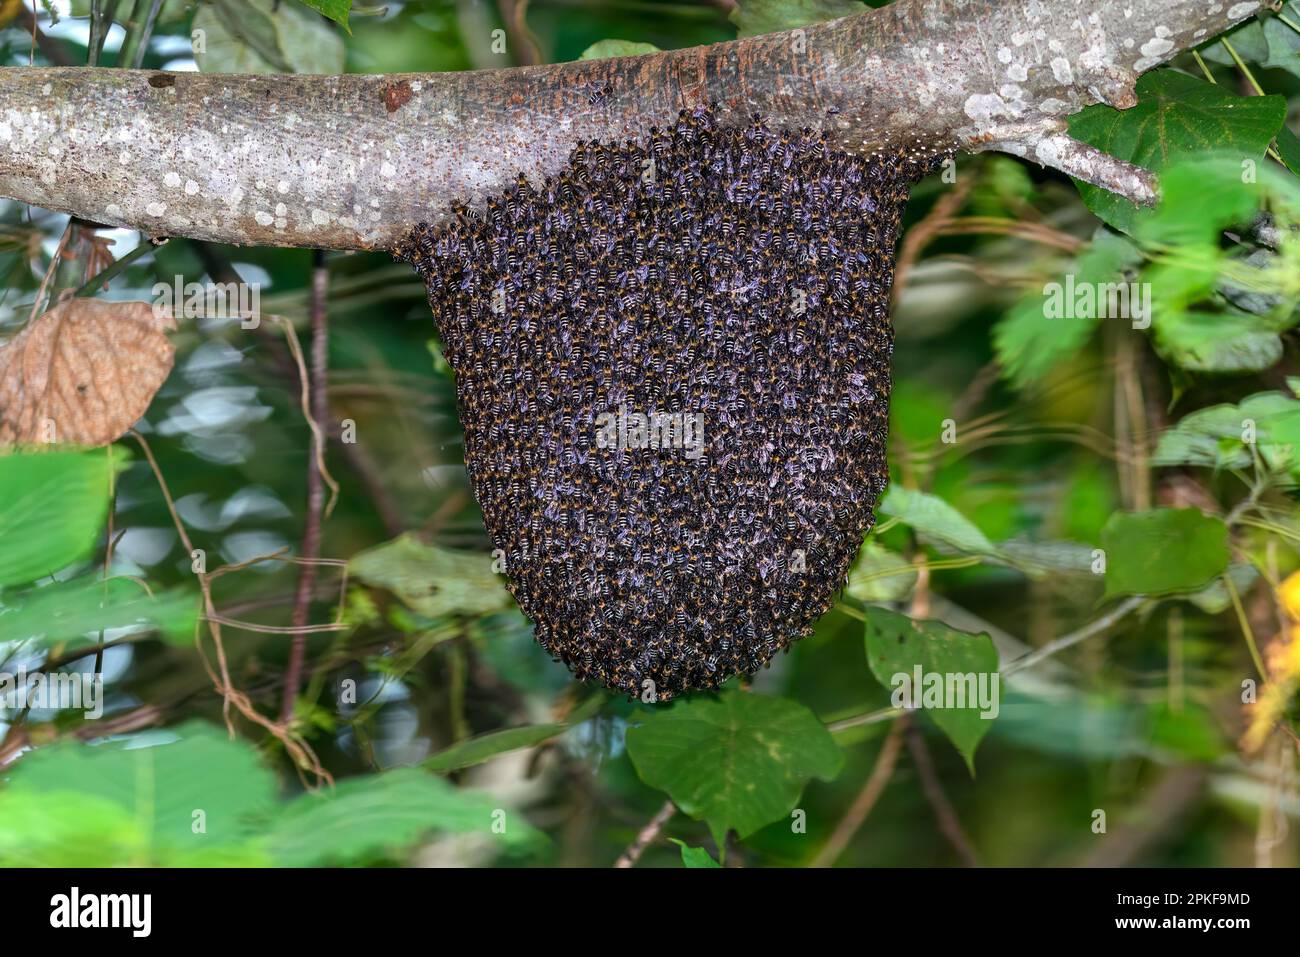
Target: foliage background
[[1123, 692]]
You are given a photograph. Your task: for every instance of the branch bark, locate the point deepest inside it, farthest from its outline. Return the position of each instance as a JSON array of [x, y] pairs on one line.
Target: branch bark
[[353, 162]]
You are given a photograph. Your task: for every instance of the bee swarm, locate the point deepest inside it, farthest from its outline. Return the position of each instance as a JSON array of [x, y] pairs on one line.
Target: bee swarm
[[733, 276]]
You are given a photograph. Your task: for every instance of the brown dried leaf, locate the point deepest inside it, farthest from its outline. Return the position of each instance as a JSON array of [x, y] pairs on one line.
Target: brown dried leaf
[[83, 372]]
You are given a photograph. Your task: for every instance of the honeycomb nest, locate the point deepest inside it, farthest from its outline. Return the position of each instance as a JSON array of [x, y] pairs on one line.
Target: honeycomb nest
[[735, 277]]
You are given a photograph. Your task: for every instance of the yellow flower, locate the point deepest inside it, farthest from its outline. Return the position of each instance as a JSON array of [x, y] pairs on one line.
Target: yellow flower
[[1282, 660]]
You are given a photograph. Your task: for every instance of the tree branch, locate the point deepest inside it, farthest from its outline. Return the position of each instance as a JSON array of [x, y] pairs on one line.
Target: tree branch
[[647, 836], [353, 162]]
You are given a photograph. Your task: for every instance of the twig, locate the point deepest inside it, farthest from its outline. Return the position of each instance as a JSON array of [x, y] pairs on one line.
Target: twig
[[137, 45], [1246, 631], [105, 276], [101, 21], [1035, 232], [646, 836], [523, 44], [49, 273], [315, 483], [1096, 627], [308, 403], [51, 48], [916, 238], [31, 736], [866, 799], [944, 812], [299, 751]]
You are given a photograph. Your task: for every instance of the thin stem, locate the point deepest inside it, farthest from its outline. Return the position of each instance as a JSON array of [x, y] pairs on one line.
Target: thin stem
[[1104, 623], [51, 48], [1250, 78], [101, 21], [1204, 69], [49, 273], [315, 485], [1241, 65], [646, 836], [1247, 632], [304, 758], [141, 36], [944, 813], [867, 797], [110, 273]]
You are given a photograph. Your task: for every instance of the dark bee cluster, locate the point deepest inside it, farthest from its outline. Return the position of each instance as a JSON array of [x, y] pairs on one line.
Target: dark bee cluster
[[732, 277]]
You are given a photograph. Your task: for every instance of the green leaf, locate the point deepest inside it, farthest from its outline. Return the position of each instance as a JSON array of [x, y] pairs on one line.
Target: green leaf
[[1194, 329], [1217, 342], [1164, 551], [1216, 437], [695, 856], [73, 609], [737, 761], [191, 796], [1031, 339], [1282, 39], [604, 49], [1246, 38], [336, 10], [755, 17], [160, 785], [431, 580], [1176, 116], [1219, 311], [380, 815], [1267, 41], [52, 507], [1288, 147], [935, 519], [263, 36], [1199, 197], [482, 747], [67, 829], [880, 575], [897, 646]]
